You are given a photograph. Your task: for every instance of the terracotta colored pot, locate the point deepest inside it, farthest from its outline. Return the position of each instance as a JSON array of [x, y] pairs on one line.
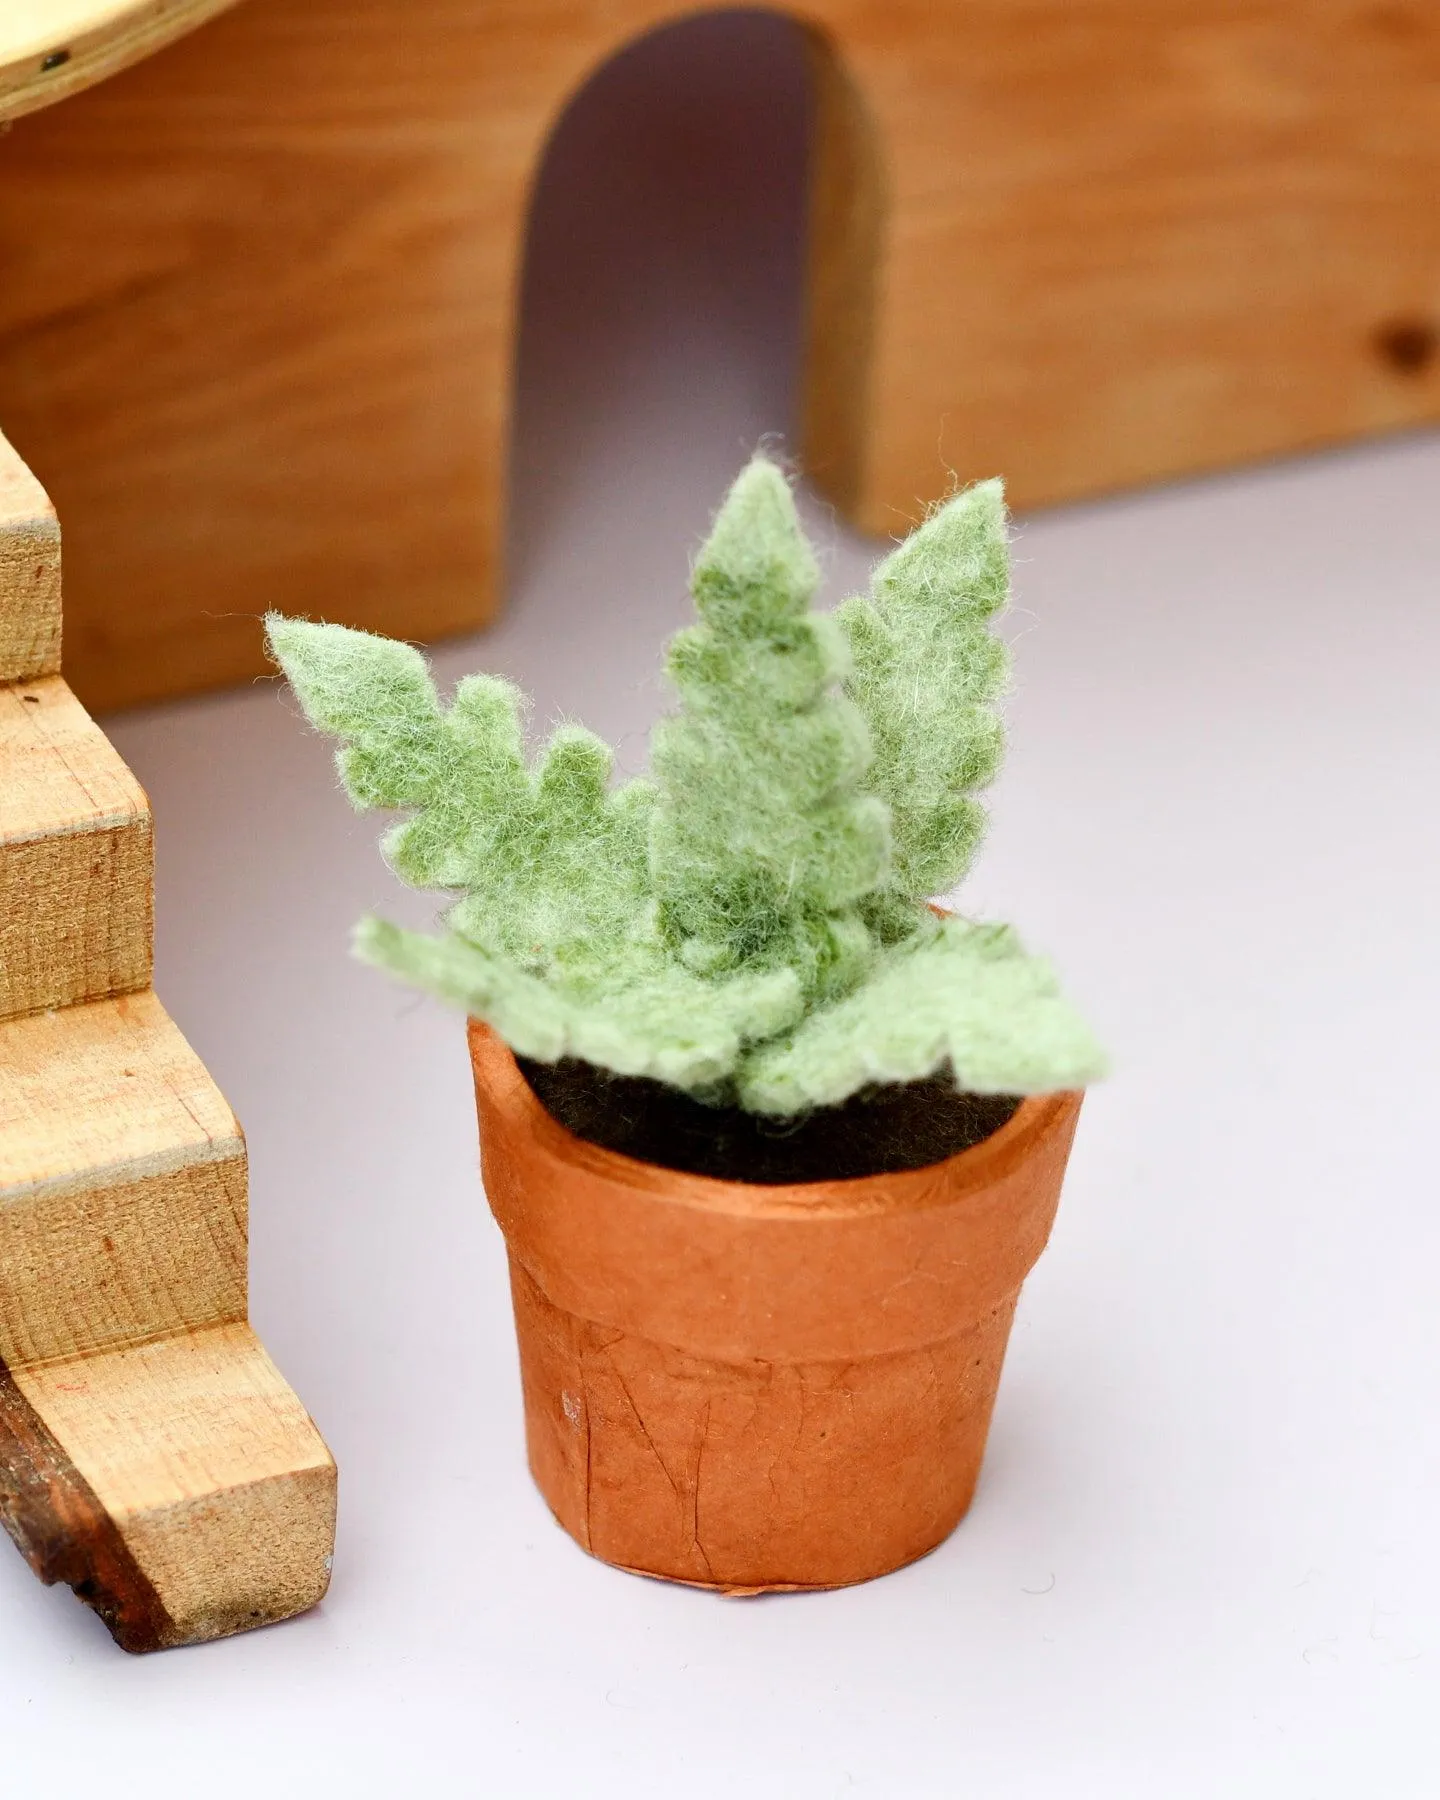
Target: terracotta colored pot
[[751, 1387]]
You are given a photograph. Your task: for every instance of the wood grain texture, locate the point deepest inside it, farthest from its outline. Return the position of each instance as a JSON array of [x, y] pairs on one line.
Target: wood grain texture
[[257, 325], [108, 1091], [210, 1468], [29, 574], [59, 1525], [76, 856], [280, 276], [122, 1184], [150, 1454], [50, 49]]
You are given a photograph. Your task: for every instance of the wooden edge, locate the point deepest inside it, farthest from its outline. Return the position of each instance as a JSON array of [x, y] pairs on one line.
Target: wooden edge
[[50, 49], [845, 233], [29, 573], [21, 495], [178, 1487], [59, 1526]]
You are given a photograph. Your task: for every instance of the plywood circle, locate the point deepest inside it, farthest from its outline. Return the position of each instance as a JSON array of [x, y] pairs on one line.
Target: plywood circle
[[51, 48]]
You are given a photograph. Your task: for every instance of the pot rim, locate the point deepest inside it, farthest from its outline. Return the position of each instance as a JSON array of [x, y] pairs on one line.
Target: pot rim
[[939, 1184]]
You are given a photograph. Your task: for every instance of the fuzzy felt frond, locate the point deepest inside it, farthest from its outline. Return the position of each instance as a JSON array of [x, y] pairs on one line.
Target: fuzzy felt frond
[[763, 842], [376, 696], [552, 864], [756, 569], [965, 996], [662, 1022], [750, 922], [926, 673]]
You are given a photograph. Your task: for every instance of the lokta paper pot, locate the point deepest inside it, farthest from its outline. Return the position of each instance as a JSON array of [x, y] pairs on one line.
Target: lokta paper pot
[[750, 1387]]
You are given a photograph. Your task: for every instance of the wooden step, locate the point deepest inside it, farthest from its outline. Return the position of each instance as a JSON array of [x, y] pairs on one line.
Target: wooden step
[[122, 1184], [179, 1486], [76, 864], [150, 1453]]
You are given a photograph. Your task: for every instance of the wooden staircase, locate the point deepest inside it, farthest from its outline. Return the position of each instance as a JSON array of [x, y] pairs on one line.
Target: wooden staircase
[[151, 1455]]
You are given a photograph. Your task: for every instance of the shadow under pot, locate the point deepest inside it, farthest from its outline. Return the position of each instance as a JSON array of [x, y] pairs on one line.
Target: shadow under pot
[[753, 1387]]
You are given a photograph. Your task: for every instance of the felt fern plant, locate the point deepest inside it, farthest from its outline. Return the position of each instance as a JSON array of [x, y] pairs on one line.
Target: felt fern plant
[[750, 922]]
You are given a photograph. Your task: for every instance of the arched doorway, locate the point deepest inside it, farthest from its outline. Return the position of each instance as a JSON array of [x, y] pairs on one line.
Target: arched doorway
[[691, 279]]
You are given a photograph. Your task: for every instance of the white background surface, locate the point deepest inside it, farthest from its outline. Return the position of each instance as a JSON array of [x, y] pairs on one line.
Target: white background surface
[[1203, 1560]]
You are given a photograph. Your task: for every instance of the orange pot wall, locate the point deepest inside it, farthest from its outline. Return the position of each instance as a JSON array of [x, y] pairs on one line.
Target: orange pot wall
[[760, 1387]]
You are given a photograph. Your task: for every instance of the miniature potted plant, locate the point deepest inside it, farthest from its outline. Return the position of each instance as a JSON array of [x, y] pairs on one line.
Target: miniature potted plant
[[772, 1141]]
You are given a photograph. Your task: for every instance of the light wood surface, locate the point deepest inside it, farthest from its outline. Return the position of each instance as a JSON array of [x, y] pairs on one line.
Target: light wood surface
[[52, 48], [29, 573], [210, 1468], [122, 1183], [106, 1090], [150, 1453], [258, 321], [76, 914]]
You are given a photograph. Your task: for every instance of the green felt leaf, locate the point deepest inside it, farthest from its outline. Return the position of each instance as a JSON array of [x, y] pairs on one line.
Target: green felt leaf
[[667, 1024], [750, 922], [927, 672], [967, 998], [764, 841], [553, 865]]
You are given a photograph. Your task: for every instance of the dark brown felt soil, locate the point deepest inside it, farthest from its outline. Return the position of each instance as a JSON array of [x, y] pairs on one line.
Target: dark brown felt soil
[[880, 1131]]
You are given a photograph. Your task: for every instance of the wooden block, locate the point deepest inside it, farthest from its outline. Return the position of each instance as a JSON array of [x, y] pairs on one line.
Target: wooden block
[[122, 1184], [1082, 243], [29, 574], [179, 1486], [75, 856], [150, 1453]]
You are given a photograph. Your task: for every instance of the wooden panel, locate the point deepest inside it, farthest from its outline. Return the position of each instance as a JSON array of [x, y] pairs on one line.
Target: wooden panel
[[76, 867], [1128, 239], [257, 322], [29, 574], [254, 333], [847, 208]]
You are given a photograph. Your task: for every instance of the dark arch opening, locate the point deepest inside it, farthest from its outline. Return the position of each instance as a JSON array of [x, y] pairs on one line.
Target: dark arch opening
[[670, 266]]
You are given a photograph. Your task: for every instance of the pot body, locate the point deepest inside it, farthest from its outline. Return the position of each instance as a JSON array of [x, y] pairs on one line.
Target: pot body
[[751, 1387]]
